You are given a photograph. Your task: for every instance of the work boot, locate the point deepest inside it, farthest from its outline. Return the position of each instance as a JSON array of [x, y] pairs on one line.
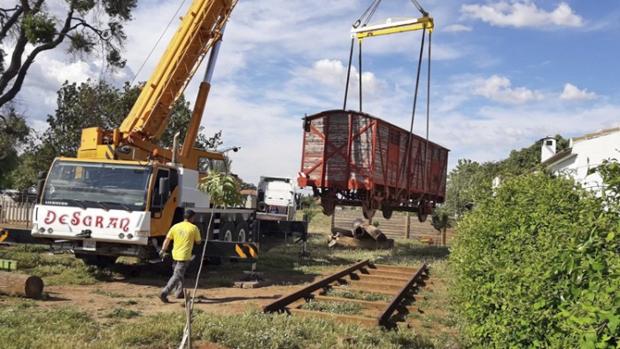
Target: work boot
[[164, 298], [180, 294]]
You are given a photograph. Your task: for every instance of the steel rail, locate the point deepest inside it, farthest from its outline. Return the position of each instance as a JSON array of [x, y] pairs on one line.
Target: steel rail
[[286, 300], [384, 318]]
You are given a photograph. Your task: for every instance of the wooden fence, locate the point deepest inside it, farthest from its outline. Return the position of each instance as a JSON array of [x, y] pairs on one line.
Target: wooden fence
[[402, 225], [16, 214]]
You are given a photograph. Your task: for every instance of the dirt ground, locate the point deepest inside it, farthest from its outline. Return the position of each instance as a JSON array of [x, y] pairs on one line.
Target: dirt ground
[[141, 294]]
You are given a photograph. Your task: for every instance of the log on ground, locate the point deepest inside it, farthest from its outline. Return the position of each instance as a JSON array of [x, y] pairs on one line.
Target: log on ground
[[369, 244], [342, 232], [367, 231], [14, 284]]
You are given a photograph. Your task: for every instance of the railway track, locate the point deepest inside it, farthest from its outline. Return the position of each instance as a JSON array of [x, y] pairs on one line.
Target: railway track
[[364, 293]]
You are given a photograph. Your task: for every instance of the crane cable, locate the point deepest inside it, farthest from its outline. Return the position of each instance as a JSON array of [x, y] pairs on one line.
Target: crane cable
[[161, 36], [186, 339], [361, 21], [413, 111]]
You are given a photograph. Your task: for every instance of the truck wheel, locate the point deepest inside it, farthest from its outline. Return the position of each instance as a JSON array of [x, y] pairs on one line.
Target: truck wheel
[[226, 231], [96, 260], [242, 232]]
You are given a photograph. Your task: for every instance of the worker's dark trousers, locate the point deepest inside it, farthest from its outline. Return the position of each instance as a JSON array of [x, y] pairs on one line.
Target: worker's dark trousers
[[176, 280]]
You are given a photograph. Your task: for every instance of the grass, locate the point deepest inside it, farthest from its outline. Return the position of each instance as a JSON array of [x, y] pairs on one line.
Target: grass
[[122, 313], [333, 307], [128, 303], [68, 327], [55, 269], [108, 293], [364, 296]]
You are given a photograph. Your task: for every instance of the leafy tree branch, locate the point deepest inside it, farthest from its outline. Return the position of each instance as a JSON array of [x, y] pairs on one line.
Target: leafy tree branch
[[35, 27]]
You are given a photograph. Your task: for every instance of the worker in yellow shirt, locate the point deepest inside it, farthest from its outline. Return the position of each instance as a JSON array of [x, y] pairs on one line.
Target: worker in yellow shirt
[[184, 234]]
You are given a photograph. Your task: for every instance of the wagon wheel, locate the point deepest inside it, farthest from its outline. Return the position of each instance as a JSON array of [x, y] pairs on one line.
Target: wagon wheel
[[422, 211], [329, 205], [422, 217], [367, 209], [387, 211]]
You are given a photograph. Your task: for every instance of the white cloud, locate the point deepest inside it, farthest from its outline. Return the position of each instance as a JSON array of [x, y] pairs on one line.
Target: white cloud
[[573, 93], [457, 28], [489, 134], [499, 88], [523, 14]]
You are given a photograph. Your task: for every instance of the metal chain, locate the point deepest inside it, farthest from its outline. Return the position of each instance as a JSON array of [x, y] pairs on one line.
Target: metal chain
[[415, 101], [419, 7], [428, 108], [365, 18]]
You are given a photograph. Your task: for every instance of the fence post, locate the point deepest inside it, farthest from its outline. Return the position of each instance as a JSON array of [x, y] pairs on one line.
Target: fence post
[[408, 225]]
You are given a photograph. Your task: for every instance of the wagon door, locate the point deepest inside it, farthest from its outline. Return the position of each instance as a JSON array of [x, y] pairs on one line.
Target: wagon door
[[336, 169]]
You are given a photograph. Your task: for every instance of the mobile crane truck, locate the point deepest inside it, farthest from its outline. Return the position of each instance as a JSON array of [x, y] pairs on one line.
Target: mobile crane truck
[[122, 192]]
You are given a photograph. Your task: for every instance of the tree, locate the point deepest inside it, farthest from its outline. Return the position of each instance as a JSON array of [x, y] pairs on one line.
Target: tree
[[99, 104], [526, 159], [84, 105], [441, 222], [36, 158], [469, 181], [33, 27], [537, 266], [223, 189], [13, 134]]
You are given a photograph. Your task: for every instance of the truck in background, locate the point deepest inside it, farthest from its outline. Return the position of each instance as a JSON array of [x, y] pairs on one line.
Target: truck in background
[[277, 198]]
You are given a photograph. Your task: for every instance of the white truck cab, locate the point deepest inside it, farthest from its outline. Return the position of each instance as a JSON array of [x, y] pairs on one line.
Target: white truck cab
[[277, 198]]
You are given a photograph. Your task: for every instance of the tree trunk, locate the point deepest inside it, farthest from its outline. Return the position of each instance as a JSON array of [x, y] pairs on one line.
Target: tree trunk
[[13, 284]]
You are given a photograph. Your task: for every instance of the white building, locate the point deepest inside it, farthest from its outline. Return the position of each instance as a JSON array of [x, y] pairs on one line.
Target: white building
[[584, 153]]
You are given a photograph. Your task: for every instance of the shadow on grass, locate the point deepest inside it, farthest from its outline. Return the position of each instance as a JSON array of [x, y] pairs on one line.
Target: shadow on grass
[[279, 263]]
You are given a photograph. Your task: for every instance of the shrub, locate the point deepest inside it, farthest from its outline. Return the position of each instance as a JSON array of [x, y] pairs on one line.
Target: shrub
[[538, 265]]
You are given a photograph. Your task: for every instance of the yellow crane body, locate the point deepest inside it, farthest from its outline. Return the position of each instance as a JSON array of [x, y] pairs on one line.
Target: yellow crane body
[[200, 30]]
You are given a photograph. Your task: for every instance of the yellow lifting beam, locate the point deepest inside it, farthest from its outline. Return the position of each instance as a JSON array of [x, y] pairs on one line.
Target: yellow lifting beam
[[393, 27]]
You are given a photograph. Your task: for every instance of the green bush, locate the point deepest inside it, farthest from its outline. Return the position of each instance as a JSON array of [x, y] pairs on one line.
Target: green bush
[[538, 265]]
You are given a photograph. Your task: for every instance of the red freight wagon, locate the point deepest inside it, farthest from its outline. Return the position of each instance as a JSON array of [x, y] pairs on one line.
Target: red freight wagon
[[353, 158]]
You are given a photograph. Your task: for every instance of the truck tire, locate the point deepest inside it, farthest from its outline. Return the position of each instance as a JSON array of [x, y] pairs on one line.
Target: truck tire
[[227, 231], [242, 232], [96, 260]]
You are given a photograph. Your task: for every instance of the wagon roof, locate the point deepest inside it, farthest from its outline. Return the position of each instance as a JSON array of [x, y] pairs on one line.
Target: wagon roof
[[333, 111]]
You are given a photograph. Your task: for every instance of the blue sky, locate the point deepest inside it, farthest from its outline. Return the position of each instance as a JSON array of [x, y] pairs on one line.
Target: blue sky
[[505, 73]]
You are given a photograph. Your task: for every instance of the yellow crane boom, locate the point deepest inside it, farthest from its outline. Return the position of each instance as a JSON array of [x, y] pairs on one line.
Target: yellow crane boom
[[200, 31]]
